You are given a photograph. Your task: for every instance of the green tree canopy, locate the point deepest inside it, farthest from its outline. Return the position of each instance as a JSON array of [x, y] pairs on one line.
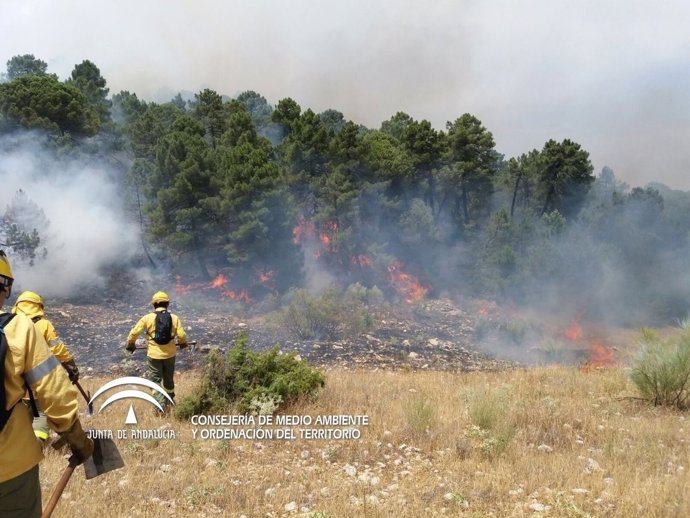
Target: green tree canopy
[[42, 102], [565, 175], [87, 78], [26, 64], [473, 162], [182, 181]]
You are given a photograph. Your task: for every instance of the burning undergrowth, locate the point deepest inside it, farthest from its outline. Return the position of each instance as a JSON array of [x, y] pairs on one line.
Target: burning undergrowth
[[544, 338], [345, 328]]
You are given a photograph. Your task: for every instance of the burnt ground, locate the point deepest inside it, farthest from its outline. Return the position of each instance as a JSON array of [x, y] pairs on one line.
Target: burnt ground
[[434, 335]]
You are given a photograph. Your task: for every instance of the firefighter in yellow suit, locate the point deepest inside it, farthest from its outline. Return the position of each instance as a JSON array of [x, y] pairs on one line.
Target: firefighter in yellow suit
[[31, 304], [29, 363], [161, 358]]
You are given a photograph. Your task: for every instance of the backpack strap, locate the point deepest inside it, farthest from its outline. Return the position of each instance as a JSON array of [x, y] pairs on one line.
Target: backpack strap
[[36, 318], [4, 414]]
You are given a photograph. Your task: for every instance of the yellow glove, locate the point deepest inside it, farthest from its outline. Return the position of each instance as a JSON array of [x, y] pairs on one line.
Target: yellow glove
[[81, 445]]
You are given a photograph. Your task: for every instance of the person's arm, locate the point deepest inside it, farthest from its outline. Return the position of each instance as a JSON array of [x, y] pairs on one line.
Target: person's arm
[[180, 333], [49, 383], [58, 348], [134, 333]]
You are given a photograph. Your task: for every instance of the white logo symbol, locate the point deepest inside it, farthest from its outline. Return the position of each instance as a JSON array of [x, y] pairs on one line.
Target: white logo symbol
[[125, 394]]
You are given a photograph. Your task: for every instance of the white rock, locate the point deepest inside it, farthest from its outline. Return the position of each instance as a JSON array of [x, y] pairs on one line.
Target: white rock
[[544, 448], [165, 468], [350, 470], [291, 507], [592, 466]]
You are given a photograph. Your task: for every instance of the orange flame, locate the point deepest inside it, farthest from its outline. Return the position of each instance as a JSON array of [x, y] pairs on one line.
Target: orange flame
[[182, 288], [600, 356], [304, 230], [220, 281], [328, 232], [408, 285], [241, 296], [362, 261], [574, 331], [216, 284], [264, 277]]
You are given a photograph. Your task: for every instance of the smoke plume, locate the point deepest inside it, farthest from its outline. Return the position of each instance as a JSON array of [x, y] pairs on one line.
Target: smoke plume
[[86, 229]]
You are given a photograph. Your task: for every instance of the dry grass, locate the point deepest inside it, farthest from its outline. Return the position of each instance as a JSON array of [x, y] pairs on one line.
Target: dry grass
[[539, 442]]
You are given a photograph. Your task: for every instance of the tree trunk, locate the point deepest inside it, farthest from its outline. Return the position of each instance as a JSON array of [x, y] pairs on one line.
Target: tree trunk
[[515, 191], [465, 208], [547, 201]]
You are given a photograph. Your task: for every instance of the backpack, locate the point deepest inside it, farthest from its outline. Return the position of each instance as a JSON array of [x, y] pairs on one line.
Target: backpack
[[4, 414], [163, 333]]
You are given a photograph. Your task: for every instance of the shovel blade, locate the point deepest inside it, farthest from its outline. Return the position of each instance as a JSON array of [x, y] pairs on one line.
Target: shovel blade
[[105, 458]]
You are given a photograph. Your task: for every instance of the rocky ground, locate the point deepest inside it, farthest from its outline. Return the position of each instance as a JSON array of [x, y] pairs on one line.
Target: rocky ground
[[434, 334]]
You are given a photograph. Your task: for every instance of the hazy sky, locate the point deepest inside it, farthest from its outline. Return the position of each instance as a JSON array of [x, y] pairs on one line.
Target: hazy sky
[[611, 75]]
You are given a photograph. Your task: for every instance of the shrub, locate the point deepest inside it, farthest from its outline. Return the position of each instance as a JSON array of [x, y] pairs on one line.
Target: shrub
[[661, 370], [487, 410], [421, 415], [331, 314], [250, 379]]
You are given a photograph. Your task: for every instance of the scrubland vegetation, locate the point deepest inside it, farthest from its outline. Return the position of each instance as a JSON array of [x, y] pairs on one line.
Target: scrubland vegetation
[[546, 441]]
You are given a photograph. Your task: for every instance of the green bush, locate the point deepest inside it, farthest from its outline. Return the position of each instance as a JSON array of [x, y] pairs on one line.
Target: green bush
[[487, 409], [421, 415], [330, 315], [661, 370], [248, 378]]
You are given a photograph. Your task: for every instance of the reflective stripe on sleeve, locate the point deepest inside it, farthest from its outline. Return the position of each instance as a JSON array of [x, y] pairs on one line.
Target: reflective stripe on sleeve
[[41, 370], [54, 342]]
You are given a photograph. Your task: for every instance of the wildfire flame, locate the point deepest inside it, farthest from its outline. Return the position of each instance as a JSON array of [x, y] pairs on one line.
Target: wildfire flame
[[600, 356], [240, 296], [408, 285], [574, 331], [303, 231], [328, 232], [362, 261], [264, 277], [220, 281]]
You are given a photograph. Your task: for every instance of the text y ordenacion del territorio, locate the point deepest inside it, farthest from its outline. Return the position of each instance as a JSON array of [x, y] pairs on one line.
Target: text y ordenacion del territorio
[[281, 427]]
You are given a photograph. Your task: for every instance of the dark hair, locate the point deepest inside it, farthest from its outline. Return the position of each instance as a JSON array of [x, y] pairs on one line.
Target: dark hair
[[161, 305]]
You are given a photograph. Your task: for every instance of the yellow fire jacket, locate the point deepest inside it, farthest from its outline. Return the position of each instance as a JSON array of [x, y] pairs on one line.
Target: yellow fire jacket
[[35, 312], [29, 361], [156, 351]]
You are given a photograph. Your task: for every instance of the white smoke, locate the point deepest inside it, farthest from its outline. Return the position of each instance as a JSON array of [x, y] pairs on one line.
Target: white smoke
[[87, 228]]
